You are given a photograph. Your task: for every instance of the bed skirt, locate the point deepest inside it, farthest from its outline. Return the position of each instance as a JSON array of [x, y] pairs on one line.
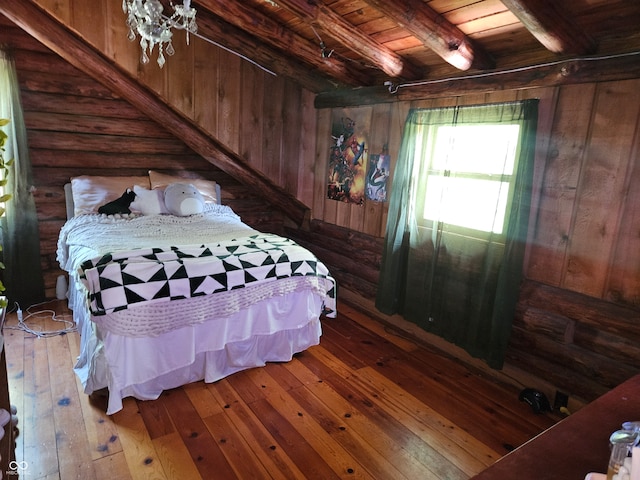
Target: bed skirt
[[143, 367]]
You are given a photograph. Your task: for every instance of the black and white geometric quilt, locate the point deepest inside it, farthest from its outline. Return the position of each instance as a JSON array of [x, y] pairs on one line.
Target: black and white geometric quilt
[[119, 280]]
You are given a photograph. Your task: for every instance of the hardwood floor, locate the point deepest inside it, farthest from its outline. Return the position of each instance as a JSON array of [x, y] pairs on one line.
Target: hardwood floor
[[365, 403]]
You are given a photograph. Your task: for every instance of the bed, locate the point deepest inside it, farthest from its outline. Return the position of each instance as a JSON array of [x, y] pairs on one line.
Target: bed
[[161, 301]]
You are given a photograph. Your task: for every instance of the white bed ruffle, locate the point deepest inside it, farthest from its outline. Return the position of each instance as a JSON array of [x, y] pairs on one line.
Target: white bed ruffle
[[272, 330]]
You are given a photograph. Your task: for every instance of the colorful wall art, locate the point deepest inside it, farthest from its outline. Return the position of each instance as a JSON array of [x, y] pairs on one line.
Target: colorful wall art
[[377, 175], [348, 158]]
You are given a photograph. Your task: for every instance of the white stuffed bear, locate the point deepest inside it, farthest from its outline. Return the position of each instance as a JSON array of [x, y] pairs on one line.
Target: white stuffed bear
[[183, 199]]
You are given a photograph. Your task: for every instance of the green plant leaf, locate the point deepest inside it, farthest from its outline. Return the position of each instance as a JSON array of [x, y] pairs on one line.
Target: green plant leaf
[[4, 164]]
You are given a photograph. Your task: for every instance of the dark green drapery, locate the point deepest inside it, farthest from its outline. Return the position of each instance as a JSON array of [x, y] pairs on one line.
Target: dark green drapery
[[460, 286], [22, 276]]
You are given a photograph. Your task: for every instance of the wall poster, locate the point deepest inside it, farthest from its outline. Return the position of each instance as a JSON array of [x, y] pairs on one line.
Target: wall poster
[[378, 173], [348, 156]]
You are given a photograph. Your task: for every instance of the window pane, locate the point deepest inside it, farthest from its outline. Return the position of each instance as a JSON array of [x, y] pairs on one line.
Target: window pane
[[466, 202], [488, 149]]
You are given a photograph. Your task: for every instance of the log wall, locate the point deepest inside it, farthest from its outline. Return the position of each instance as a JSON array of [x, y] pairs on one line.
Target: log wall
[[577, 322], [77, 127]]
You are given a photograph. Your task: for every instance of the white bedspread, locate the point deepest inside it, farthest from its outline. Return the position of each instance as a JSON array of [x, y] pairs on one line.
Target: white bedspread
[[110, 233]]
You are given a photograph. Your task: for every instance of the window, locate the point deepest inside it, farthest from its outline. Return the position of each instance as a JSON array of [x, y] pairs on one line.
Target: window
[[443, 266], [465, 174]]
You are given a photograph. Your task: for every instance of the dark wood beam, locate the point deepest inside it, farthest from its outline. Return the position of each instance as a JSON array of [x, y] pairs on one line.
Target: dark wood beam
[[276, 35], [585, 70], [319, 15], [213, 28], [70, 46], [436, 33], [552, 27]]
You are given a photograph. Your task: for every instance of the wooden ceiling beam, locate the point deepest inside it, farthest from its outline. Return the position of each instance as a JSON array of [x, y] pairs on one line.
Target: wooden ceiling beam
[[322, 17], [552, 27], [568, 72], [236, 40], [272, 33], [72, 48], [436, 33]]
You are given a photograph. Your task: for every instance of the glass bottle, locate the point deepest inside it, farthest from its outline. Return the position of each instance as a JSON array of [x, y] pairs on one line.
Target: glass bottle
[[621, 442]]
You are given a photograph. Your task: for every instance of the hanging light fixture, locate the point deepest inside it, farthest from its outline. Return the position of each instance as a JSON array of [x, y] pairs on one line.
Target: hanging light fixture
[[145, 18]]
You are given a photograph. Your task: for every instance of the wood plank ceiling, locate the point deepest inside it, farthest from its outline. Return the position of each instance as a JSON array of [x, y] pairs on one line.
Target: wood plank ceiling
[[331, 44]]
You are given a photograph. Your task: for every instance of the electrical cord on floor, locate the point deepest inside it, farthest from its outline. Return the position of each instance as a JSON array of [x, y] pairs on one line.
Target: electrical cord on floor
[[69, 325]]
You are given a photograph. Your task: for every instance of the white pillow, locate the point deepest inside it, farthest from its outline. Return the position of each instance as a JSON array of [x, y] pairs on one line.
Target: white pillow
[[148, 202], [207, 188], [91, 192]]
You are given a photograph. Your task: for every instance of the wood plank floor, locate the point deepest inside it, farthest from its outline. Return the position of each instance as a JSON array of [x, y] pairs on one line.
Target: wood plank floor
[[364, 404]]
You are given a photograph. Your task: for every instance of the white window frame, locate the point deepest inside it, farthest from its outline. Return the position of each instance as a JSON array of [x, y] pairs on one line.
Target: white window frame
[[436, 164]]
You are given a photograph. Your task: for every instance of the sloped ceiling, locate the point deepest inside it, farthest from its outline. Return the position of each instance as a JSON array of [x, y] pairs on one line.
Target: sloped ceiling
[[361, 43], [354, 52], [333, 47], [83, 56]]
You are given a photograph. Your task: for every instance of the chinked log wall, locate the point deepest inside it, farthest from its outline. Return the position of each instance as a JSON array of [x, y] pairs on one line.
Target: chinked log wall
[[577, 343], [77, 127]]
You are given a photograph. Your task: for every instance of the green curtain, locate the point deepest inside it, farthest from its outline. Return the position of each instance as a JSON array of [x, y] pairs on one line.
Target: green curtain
[[22, 276], [461, 287]]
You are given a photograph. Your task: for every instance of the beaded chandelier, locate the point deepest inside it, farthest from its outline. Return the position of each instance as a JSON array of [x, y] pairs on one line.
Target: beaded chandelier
[[145, 18]]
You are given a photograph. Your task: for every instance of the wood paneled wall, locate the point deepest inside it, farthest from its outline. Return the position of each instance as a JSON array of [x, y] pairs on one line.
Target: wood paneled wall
[[577, 326], [578, 320], [266, 119], [586, 193]]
